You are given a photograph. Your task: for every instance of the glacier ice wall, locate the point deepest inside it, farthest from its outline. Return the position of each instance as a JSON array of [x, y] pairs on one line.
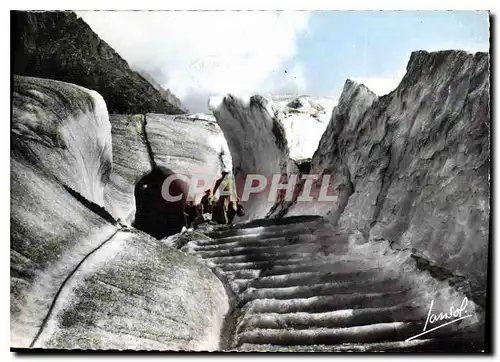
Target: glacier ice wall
[[413, 167], [257, 143], [78, 279], [190, 145]]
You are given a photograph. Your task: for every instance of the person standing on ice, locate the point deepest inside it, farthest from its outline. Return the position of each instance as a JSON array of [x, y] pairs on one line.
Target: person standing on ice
[[224, 173], [206, 202], [219, 214], [231, 212], [226, 190], [190, 212]]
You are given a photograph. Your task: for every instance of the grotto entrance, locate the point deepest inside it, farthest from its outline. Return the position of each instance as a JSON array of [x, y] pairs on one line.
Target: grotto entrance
[[155, 215]]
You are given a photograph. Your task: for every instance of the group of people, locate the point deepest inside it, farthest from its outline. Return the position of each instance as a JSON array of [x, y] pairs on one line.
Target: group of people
[[223, 210]]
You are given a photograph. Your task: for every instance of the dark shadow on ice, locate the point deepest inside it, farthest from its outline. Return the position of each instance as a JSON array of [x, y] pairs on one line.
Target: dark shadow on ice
[[155, 215]]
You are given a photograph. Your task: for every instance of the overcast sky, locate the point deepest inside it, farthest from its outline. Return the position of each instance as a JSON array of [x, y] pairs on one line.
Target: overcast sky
[[198, 54]]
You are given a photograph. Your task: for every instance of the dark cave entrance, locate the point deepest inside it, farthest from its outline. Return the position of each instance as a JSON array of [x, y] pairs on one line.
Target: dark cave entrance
[[155, 215]]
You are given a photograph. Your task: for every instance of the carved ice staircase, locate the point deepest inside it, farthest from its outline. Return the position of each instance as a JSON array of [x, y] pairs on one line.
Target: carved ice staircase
[[298, 284]]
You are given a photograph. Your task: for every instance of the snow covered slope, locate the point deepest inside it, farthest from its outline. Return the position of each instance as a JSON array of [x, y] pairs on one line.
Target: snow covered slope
[[304, 119]]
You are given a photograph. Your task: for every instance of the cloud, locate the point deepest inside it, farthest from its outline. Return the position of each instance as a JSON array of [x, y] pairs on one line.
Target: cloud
[[381, 85], [197, 54]]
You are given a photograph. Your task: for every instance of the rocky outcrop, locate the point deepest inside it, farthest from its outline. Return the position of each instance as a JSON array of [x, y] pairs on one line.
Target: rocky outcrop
[[412, 167], [79, 279], [61, 46], [258, 145], [164, 92]]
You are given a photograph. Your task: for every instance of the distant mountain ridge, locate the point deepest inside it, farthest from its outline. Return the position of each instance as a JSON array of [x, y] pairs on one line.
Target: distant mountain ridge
[[59, 45], [165, 92]]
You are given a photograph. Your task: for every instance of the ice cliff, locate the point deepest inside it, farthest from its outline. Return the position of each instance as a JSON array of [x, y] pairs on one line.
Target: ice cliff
[[416, 163], [411, 171], [78, 278], [410, 168], [190, 145], [258, 145]]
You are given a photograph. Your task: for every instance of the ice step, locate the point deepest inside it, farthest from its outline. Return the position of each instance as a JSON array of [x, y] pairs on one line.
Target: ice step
[[241, 243], [327, 303], [300, 228], [416, 345], [265, 257], [329, 263], [380, 332], [243, 274], [446, 336], [254, 236], [273, 247], [246, 275], [338, 318], [329, 275], [280, 267], [261, 265], [221, 230], [254, 243], [379, 283], [283, 221], [343, 280]]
